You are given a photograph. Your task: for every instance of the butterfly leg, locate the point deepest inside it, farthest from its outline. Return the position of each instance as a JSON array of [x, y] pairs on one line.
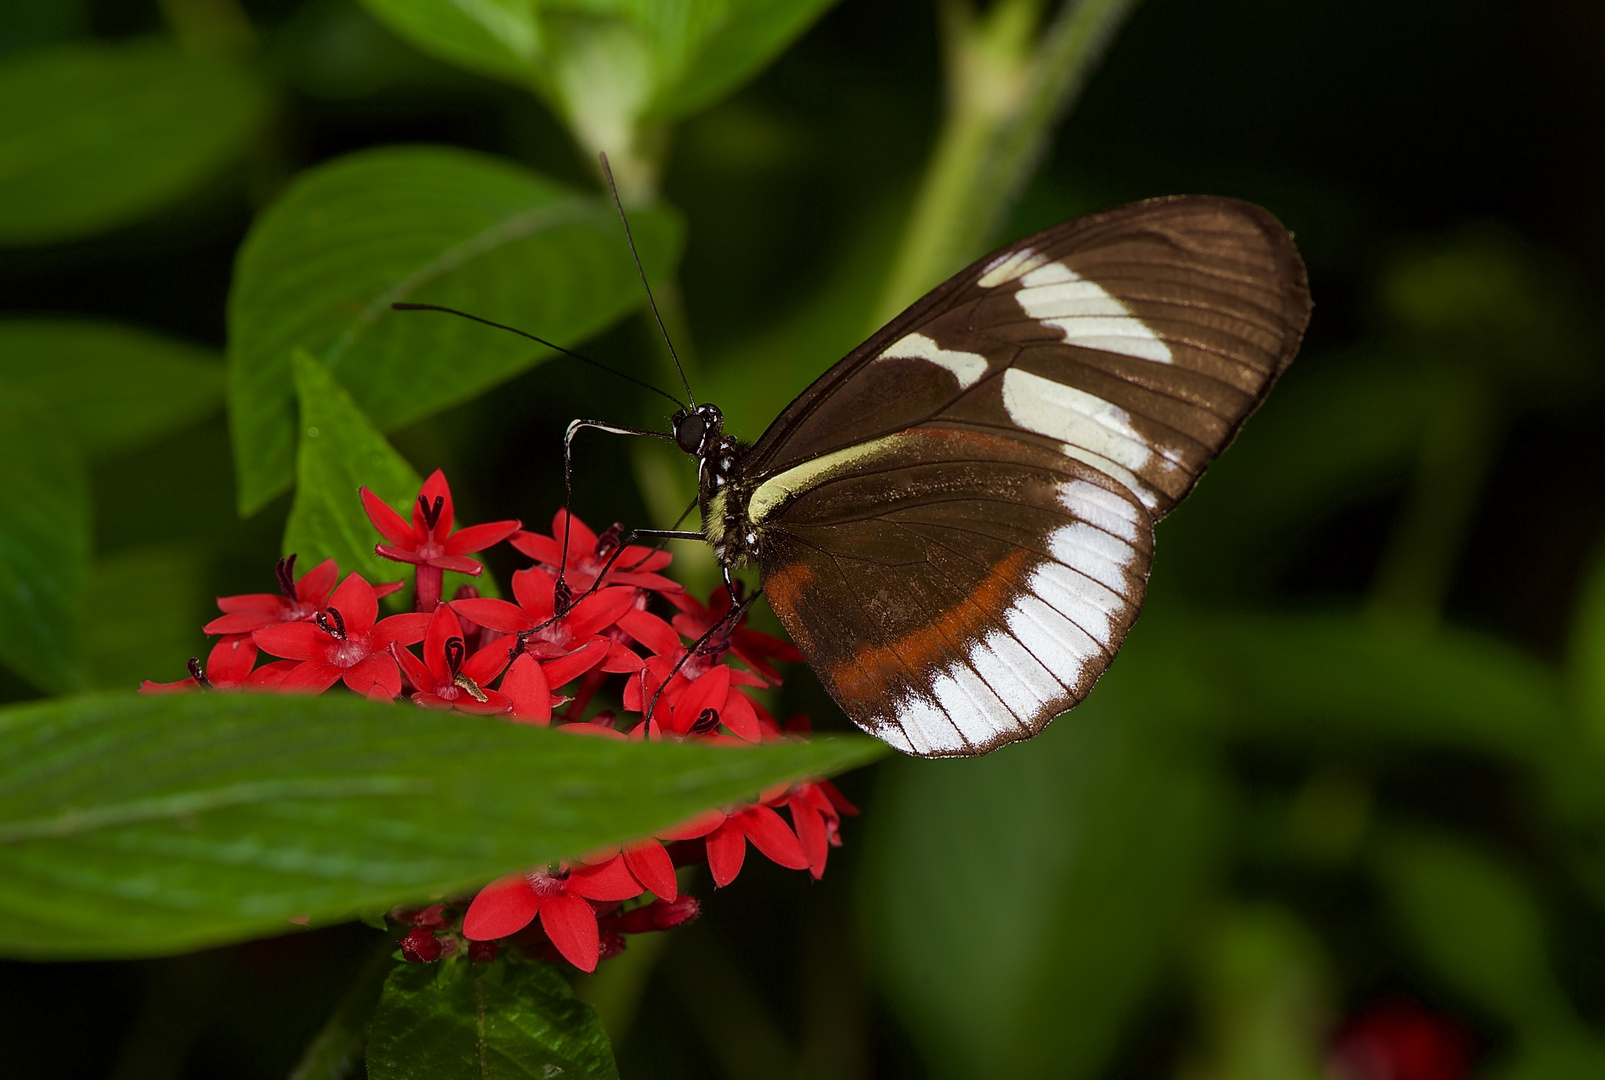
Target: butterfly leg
[[563, 598], [721, 628]]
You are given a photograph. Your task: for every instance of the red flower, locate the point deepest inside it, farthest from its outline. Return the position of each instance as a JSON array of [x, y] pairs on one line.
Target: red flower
[[344, 642], [297, 599], [751, 647], [816, 814], [588, 553], [1397, 1039], [447, 678], [509, 904], [428, 542], [567, 647], [228, 667], [727, 833]]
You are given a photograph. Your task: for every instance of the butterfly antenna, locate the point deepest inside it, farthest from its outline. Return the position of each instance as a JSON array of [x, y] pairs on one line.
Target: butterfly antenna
[[613, 189], [542, 341]]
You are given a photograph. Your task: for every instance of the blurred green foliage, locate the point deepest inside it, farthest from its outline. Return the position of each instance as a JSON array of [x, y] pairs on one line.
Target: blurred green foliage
[[1354, 746]]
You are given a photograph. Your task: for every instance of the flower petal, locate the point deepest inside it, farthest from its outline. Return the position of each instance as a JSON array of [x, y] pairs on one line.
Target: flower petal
[[294, 641], [495, 704], [571, 925], [317, 583], [699, 826], [434, 486], [487, 663], [398, 554], [457, 564], [356, 602], [652, 867], [709, 691], [243, 622], [533, 588], [811, 834], [375, 678], [391, 525], [621, 658], [650, 631], [309, 677], [479, 537], [182, 686], [581, 538], [525, 685], [416, 670], [497, 615], [567, 668], [408, 628], [611, 880], [727, 849], [739, 717], [443, 626], [252, 604], [269, 676], [503, 907], [230, 660], [771, 835], [599, 611]]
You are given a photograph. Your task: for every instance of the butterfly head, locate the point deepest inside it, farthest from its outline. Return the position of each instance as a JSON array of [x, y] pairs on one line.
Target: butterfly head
[[696, 429]]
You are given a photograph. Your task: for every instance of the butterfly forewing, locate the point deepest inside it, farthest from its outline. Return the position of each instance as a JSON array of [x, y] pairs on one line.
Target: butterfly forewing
[[956, 520]]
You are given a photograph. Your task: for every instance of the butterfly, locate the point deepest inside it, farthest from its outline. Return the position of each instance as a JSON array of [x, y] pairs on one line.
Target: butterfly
[[955, 523]]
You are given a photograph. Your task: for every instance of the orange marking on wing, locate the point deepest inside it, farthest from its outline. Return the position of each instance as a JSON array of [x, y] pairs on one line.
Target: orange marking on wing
[[874, 667]]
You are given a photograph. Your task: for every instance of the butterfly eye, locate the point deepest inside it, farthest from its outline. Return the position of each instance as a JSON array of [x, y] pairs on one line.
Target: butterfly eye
[[688, 432]]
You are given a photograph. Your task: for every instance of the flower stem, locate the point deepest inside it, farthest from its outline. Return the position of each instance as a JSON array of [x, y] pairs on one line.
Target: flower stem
[[1007, 88]]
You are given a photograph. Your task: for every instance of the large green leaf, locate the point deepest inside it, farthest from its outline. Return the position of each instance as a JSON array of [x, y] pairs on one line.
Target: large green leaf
[[321, 268], [112, 386], [1022, 905], [138, 826], [44, 551], [341, 452], [96, 135], [608, 66], [503, 1021]]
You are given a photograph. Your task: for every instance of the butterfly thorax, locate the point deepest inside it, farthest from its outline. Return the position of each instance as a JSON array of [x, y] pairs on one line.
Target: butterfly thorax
[[699, 431]]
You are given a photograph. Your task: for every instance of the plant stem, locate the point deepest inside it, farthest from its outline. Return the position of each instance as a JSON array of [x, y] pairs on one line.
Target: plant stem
[[1457, 448], [1005, 94]]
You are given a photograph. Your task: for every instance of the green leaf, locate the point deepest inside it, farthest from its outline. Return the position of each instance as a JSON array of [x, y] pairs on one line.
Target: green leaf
[[44, 551], [608, 68], [501, 38], [340, 452], [502, 1021], [143, 611], [1477, 924], [321, 268], [94, 135], [1023, 904], [113, 386], [1341, 677], [144, 825]]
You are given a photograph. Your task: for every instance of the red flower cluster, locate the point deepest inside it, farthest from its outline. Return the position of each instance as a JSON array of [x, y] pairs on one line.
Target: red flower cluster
[[1397, 1039], [542, 659]]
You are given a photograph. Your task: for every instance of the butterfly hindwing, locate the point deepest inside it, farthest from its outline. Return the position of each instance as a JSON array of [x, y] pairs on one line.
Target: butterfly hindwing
[[955, 522]]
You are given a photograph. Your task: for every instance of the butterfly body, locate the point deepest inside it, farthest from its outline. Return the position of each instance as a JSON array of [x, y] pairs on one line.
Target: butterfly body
[[955, 522]]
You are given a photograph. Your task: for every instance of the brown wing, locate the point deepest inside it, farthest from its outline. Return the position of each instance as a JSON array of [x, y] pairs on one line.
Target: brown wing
[[956, 520], [982, 595], [1144, 336]]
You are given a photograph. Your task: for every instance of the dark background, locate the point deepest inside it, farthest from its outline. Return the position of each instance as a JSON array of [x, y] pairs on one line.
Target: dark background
[[1371, 128]]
